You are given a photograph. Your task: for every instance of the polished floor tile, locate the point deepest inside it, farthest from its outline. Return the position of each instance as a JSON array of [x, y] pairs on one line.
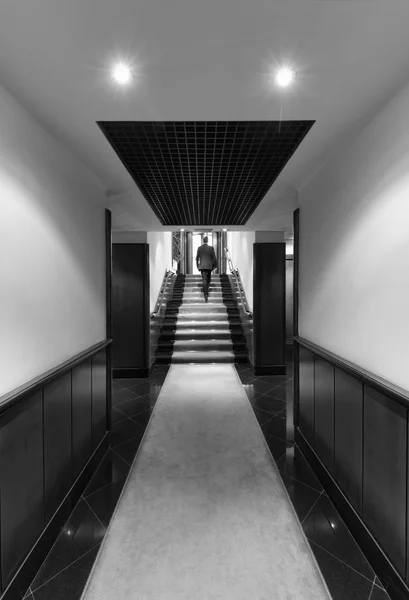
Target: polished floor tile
[[111, 468], [378, 594], [261, 415], [343, 582], [128, 450], [127, 383], [68, 584], [325, 528], [276, 426], [281, 392], [104, 501], [143, 418], [121, 396], [134, 406], [252, 394], [262, 387], [303, 498], [246, 379], [82, 532], [116, 415], [116, 387], [146, 387], [271, 405], [277, 446], [123, 431], [294, 465]]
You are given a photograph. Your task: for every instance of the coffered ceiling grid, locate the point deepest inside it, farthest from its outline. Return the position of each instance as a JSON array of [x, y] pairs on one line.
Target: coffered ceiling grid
[[204, 173]]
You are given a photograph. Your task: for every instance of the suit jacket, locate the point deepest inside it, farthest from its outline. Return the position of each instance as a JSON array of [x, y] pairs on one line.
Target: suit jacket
[[206, 258]]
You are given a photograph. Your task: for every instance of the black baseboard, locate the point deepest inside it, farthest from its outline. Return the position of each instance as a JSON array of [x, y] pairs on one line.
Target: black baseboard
[[390, 578], [130, 373], [28, 570], [260, 370]]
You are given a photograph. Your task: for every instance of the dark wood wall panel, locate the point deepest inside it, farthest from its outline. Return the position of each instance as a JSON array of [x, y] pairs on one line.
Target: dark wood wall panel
[[99, 398], [21, 475], [385, 473], [363, 423], [81, 416], [348, 436], [130, 306], [324, 411], [306, 410], [269, 301], [57, 442]]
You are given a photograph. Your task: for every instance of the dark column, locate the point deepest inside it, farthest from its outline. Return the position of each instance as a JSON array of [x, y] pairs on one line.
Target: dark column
[[108, 292], [223, 266], [217, 238], [269, 308], [188, 252], [130, 307]]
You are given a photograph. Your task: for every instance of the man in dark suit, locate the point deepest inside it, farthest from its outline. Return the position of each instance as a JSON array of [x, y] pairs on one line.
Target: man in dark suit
[[206, 261]]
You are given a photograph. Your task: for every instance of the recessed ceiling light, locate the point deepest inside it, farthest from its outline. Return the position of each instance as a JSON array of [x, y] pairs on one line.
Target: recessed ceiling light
[[284, 76], [122, 74]]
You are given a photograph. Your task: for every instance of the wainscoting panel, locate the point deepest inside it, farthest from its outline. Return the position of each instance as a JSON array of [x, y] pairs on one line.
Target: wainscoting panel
[[324, 411], [57, 442], [81, 416], [348, 436], [306, 401], [52, 436], [99, 398], [21, 475], [365, 420], [385, 473]]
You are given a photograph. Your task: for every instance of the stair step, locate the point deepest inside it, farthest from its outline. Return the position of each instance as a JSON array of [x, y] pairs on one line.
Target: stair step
[[204, 333], [199, 317], [201, 300], [204, 308], [187, 324], [205, 345], [183, 356]]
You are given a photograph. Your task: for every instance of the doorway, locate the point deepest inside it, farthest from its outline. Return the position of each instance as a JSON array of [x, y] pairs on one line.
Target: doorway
[[197, 240]]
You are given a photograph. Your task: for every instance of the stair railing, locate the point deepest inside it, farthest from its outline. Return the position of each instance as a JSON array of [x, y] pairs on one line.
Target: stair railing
[[168, 274], [236, 274]]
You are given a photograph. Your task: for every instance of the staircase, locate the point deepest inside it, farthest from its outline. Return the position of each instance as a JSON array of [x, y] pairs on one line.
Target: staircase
[[197, 331]]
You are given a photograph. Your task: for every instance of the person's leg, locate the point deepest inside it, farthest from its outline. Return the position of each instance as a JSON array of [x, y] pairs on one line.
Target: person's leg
[[208, 273], [203, 274]]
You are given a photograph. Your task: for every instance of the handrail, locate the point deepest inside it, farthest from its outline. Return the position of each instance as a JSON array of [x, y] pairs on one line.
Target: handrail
[[168, 273], [236, 273]]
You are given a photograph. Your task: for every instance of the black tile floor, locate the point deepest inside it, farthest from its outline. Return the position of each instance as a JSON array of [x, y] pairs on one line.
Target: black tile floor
[[66, 568]]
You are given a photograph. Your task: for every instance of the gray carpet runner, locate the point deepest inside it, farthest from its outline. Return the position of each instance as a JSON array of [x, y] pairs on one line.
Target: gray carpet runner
[[197, 331], [204, 514]]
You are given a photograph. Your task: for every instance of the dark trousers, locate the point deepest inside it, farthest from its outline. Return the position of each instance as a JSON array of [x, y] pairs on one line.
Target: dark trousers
[[206, 275]]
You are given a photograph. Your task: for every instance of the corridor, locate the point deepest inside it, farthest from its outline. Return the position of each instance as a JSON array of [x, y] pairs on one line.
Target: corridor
[[67, 567]]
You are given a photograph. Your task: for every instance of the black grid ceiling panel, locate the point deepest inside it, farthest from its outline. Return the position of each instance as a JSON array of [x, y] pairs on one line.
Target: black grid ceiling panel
[[204, 173]]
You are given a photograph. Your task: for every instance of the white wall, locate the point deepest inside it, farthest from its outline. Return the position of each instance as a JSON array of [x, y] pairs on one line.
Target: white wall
[[354, 249], [52, 250], [240, 244], [160, 259]]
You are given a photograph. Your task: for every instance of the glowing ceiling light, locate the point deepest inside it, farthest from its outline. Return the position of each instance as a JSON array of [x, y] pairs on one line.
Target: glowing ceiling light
[[122, 74], [284, 76]]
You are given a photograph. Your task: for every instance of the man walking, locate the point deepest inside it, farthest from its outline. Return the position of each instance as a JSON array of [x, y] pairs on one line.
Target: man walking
[[206, 261]]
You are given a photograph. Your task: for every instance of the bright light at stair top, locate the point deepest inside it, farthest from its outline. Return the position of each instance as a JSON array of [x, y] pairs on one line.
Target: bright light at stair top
[[284, 77], [122, 74]]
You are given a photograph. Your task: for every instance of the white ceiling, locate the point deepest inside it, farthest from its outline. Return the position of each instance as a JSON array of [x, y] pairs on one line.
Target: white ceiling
[[203, 60]]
